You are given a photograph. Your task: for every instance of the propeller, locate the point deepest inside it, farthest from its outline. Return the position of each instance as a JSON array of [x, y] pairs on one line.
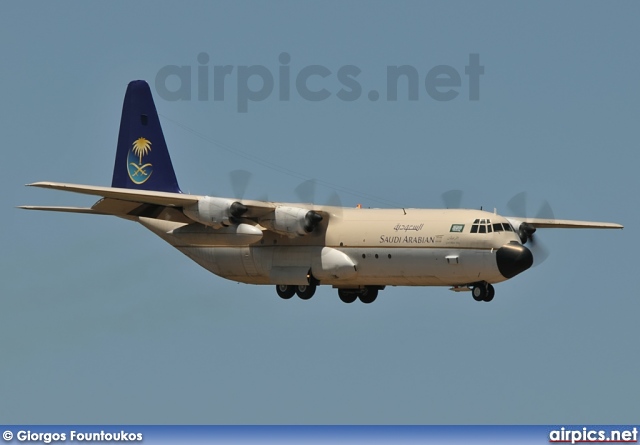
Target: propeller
[[311, 220], [239, 182], [335, 201], [518, 206], [452, 199], [306, 191]]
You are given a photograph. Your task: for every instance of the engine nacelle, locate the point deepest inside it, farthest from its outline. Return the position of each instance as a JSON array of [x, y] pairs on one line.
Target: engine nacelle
[[292, 221], [215, 212], [524, 230]]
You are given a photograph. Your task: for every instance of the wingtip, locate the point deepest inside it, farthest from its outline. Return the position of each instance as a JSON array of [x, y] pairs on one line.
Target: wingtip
[[44, 184]]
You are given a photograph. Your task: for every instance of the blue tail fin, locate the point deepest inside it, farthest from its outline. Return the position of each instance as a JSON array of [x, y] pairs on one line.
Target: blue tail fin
[[142, 157]]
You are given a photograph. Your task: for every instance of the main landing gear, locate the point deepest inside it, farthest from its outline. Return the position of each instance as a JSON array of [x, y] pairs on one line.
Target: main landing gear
[[367, 294], [483, 291], [304, 292]]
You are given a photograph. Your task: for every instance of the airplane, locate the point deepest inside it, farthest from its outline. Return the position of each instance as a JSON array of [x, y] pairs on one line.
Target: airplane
[[297, 247]]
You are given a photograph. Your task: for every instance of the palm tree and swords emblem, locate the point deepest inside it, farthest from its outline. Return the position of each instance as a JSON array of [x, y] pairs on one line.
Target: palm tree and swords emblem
[[139, 172]]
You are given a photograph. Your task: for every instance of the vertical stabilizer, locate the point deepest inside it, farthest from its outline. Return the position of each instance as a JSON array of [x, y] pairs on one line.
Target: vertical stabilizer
[[142, 157]]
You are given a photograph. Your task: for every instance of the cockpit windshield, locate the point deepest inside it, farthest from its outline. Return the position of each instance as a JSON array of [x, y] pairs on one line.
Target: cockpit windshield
[[485, 226]]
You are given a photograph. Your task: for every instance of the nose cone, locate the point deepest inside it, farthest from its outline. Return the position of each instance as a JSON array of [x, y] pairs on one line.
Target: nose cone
[[512, 259]]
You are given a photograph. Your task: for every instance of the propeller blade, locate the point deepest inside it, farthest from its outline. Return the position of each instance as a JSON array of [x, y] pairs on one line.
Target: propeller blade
[[518, 205], [539, 251], [335, 201], [545, 211], [452, 199], [239, 182], [306, 191]]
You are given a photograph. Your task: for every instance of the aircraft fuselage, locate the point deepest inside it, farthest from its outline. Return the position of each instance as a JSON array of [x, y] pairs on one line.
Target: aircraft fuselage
[[356, 247]]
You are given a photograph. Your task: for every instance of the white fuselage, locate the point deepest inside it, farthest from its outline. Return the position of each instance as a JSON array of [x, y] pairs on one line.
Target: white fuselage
[[355, 247]]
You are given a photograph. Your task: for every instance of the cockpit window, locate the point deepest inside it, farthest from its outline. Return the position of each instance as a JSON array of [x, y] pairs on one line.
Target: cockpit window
[[482, 226], [485, 226]]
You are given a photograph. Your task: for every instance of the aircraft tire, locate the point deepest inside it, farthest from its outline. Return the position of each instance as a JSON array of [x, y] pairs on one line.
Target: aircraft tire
[[491, 292], [305, 292], [368, 295], [346, 296], [284, 291], [479, 292]]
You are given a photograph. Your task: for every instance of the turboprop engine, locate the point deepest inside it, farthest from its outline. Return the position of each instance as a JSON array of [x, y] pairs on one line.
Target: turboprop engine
[[524, 230], [292, 221], [215, 212]]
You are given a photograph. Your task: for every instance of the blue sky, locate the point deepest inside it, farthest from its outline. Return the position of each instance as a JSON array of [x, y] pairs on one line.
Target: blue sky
[[102, 322]]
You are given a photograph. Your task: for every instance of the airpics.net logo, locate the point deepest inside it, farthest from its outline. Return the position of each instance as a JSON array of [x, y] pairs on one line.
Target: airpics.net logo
[[314, 83]]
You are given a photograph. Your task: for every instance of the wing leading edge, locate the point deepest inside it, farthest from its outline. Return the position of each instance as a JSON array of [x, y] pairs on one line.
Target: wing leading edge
[[142, 196], [129, 202], [542, 223]]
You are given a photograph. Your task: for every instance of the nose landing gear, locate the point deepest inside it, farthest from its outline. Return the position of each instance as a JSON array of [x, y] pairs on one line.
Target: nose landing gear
[[483, 291]]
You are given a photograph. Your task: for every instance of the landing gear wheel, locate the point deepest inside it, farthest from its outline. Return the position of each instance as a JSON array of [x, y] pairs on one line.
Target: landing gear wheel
[[346, 296], [479, 292], [368, 295], [285, 292], [490, 293], [305, 292]]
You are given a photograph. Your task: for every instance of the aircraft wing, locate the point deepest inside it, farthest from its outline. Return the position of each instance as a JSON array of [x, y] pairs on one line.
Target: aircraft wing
[[140, 196], [542, 223], [131, 202], [88, 210]]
